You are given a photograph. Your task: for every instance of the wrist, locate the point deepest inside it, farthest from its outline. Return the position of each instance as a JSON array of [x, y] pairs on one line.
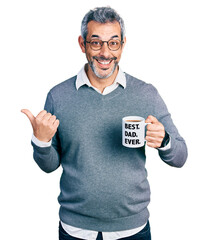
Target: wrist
[[165, 140], [40, 143]]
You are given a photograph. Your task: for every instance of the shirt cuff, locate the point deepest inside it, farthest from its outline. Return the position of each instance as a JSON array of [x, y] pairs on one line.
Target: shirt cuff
[[40, 143], [168, 146]]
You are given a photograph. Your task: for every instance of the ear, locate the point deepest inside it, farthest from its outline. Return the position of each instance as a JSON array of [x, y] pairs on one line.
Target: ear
[[81, 43], [124, 42]]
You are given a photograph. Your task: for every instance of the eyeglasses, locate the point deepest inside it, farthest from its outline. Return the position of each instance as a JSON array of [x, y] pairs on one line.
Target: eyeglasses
[[113, 44]]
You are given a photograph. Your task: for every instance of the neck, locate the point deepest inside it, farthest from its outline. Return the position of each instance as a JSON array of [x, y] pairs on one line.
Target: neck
[[100, 83]]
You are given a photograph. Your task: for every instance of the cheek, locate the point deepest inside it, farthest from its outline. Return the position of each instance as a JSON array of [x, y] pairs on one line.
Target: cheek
[[89, 55], [117, 55]]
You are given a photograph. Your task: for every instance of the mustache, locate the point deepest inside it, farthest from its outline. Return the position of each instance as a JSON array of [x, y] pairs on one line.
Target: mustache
[[104, 58]]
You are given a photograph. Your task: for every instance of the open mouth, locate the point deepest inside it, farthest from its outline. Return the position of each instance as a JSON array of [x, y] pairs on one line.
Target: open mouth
[[104, 63]]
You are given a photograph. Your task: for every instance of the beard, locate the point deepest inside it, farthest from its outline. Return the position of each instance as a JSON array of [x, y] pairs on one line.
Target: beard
[[94, 68]]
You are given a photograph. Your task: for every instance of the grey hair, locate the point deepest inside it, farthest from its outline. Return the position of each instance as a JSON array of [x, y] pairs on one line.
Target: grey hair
[[102, 15]]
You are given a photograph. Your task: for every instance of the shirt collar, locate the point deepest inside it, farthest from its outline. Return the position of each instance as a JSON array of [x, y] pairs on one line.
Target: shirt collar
[[82, 78]]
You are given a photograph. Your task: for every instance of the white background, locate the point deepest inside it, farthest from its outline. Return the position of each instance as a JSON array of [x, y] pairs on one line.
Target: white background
[[167, 45]]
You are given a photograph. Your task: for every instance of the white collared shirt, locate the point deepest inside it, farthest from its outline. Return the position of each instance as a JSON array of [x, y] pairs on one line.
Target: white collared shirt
[[81, 80]]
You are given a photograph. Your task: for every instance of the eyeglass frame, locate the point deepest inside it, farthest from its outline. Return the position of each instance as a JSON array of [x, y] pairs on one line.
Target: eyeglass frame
[[121, 43]]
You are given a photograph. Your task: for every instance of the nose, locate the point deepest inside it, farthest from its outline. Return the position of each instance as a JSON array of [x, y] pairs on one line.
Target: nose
[[105, 51]]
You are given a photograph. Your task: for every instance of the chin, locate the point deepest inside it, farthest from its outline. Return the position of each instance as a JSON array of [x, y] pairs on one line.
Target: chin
[[103, 75]]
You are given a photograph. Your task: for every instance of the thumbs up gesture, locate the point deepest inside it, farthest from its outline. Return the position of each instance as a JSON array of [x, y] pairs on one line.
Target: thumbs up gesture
[[44, 124]]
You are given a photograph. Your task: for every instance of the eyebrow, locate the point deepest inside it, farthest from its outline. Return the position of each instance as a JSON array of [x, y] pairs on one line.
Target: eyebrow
[[97, 36], [115, 36]]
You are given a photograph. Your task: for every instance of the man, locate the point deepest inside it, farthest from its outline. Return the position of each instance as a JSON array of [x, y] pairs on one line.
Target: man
[[104, 187]]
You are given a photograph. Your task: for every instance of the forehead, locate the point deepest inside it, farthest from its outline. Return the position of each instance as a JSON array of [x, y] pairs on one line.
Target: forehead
[[104, 30]]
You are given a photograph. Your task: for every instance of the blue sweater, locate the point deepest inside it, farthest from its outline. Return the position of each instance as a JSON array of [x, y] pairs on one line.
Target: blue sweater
[[104, 185]]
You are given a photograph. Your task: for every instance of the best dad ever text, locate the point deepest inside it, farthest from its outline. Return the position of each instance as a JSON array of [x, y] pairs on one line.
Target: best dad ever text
[[131, 127]]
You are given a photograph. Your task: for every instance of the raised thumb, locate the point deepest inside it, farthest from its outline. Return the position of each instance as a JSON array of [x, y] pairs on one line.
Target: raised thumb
[[29, 115]]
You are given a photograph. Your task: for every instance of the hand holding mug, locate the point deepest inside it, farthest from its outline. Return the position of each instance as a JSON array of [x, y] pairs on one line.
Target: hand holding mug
[[44, 124], [155, 132]]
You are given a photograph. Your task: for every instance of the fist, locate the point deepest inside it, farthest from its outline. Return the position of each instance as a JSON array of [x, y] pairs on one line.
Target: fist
[[44, 124], [155, 132]]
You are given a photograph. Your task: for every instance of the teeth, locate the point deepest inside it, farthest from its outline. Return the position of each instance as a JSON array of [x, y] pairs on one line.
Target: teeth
[[105, 63]]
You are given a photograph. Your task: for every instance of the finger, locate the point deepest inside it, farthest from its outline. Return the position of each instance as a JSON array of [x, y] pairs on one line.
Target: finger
[[154, 140], [41, 115], [155, 127], [151, 119], [153, 145], [155, 134], [52, 119], [29, 115], [56, 123], [47, 116]]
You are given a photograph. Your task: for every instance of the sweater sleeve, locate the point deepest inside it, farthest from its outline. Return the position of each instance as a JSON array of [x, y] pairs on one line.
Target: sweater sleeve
[[177, 154], [48, 158]]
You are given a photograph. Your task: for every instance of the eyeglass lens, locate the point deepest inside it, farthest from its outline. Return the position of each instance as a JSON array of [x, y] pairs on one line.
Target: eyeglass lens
[[96, 44]]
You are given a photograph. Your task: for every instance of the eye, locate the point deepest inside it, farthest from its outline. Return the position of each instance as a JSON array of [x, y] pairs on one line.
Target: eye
[[114, 43], [95, 43]]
